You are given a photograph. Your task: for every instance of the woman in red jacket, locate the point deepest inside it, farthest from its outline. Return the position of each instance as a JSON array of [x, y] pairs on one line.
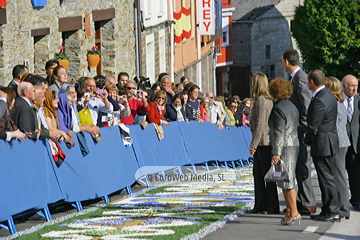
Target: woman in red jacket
[[157, 109]]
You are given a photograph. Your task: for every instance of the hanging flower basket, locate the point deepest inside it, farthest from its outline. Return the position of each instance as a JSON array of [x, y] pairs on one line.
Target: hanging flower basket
[[38, 3], [93, 60], [64, 63], [2, 3]]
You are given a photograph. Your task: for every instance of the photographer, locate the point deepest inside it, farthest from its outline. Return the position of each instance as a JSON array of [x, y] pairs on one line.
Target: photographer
[[98, 102], [115, 117], [136, 105]]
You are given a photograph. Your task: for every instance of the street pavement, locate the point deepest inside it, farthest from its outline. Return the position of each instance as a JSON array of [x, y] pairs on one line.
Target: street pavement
[[261, 226]]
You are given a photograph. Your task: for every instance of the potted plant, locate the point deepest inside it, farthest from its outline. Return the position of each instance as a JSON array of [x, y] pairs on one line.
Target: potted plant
[[38, 3], [62, 57], [2, 3], [93, 56]]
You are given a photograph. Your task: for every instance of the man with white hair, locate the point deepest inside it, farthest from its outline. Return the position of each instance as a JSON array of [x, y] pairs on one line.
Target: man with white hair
[[109, 79], [23, 114], [352, 159]]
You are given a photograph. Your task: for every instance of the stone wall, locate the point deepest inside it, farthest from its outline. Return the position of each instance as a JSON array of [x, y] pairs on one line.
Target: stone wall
[[241, 43], [207, 73], [117, 37]]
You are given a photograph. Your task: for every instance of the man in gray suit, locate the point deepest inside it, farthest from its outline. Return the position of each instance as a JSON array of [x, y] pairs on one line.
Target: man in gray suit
[[301, 99], [352, 159]]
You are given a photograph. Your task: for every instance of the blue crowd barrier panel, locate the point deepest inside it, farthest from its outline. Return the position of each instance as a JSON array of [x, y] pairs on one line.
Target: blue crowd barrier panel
[[30, 179], [109, 167], [24, 178]]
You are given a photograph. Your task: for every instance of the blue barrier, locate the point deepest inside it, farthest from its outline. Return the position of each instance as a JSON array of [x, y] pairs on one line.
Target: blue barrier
[[31, 180]]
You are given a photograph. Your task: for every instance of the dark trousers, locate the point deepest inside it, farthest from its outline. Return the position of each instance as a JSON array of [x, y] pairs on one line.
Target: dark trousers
[[266, 196], [353, 169], [341, 184], [329, 195], [305, 195]]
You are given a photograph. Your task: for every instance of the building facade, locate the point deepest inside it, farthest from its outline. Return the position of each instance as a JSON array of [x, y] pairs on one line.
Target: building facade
[[261, 33], [33, 35], [224, 49], [154, 38]]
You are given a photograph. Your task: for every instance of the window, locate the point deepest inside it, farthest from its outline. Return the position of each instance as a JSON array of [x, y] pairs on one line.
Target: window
[[267, 52], [150, 57], [269, 71], [225, 31]]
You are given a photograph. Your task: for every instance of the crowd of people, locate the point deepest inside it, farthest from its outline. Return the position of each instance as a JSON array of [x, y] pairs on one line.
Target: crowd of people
[[32, 106], [309, 119]]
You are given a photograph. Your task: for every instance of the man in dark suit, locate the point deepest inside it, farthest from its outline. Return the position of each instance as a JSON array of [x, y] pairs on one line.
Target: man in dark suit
[[322, 136], [23, 114], [301, 99], [351, 102], [17, 73]]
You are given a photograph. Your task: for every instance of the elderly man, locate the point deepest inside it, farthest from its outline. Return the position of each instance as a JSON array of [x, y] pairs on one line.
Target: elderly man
[[109, 79], [123, 78], [3, 106], [217, 111], [136, 105], [351, 102], [17, 73], [23, 114], [98, 105], [166, 85]]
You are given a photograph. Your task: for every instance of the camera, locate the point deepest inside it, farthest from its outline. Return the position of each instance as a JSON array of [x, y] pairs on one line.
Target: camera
[[120, 98], [137, 92]]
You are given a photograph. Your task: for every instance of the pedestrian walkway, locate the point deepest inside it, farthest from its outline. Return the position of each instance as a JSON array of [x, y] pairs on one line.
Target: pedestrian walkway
[[260, 226]]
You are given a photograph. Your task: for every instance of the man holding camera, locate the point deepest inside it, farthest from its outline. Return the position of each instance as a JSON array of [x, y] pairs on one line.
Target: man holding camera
[[99, 102], [136, 105]]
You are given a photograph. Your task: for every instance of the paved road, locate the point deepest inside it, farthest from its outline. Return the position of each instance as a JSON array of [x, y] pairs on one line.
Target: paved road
[[260, 226]]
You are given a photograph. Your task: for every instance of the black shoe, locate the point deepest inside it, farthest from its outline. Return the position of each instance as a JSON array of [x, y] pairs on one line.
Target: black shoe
[[254, 211], [346, 217], [316, 215], [329, 218]]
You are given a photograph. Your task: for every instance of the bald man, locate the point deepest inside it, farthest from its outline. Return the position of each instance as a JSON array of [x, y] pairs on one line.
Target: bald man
[[351, 102], [23, 114]]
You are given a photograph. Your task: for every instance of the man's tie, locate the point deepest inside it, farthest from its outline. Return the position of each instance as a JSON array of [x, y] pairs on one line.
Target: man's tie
[[349, 110]]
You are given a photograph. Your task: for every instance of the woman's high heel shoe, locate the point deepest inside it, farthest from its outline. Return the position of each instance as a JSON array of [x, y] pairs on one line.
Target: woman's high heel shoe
[[295, 220]]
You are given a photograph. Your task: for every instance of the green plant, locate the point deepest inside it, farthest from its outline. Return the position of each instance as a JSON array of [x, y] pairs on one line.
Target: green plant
[[62, 55], [94, 51]]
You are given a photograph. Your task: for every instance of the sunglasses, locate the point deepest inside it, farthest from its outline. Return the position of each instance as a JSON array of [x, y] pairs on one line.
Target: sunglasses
[[161, 98], [130, 88]]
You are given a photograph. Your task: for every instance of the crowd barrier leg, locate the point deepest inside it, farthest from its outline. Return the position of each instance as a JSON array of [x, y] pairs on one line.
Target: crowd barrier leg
[[77, 205], [128, 189], [179, 171], [240, 162], [106, 199], [215, 164], [11, 226], [47, 214]]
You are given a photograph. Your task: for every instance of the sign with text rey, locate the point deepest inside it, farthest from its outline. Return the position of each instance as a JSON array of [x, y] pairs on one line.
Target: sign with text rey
[[206, 17]]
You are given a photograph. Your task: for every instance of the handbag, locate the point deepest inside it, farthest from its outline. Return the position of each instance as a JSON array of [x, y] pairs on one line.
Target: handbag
[[273, 176]]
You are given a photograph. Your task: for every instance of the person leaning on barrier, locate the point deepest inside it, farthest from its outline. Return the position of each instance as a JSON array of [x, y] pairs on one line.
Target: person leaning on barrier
[[51, 103], [136, 105], [283, 123], [227, 121], [158, 109], [123, 106], [22, 113], [76, 126], [177, 111], [8, 129], [217, 112], [194, 103]]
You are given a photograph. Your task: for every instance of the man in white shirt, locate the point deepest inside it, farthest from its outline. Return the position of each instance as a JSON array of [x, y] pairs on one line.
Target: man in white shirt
[[217, 111]]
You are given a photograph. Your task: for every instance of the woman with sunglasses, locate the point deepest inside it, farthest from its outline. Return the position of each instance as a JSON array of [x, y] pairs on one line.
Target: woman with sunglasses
[[158, 109]]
